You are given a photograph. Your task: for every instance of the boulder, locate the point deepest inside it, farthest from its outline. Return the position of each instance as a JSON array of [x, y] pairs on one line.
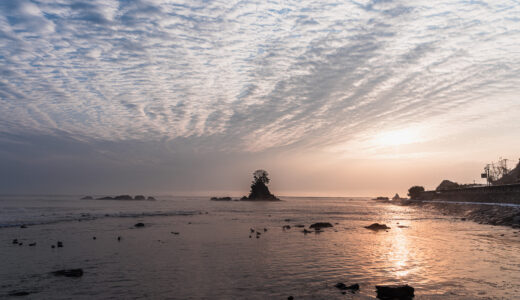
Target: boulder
[[139, 197], [401, 292], [123, 197], [221, 198], [320, 225], [150, 198], [69, 273], [139, 224], [342, 286], [377, 226]]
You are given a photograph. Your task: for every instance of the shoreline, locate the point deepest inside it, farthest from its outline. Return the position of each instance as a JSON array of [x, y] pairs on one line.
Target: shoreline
[[496, 214]]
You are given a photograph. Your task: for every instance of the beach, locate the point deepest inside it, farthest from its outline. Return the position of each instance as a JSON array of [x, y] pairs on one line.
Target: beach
[[194, 248]]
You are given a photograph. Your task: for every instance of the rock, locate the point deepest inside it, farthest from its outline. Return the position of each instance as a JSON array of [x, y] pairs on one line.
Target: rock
[[286, 227], [105, 198], [251, 229], [93, 237], [342, 286], [139, 197], [18, 293], [290, 298], [118, 238], [220, 199], [123, 197], [150, 198], [259, 190], [287, 220], [23, 226], [15, 241], [305, 231], [320, 225], [403, 226], [400, 292], [59, 244], [52, 246], [32, 244], [265, 229], [87, 198], [20, 244], [377, 226], [69, 273], [463, 219], [139, 224], [175, 232]]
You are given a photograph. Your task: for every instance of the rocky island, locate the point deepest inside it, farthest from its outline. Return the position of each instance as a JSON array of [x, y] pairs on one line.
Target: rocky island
[[259, 190]]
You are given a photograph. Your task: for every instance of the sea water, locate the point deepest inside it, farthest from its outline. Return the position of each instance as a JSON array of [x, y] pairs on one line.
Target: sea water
[[193, 248]]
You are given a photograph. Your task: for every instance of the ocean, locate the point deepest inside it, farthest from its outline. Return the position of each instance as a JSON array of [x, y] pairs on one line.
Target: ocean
[[194, 248]]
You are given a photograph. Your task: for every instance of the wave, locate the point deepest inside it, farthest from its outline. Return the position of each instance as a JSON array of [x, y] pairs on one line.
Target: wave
[[90, 217]]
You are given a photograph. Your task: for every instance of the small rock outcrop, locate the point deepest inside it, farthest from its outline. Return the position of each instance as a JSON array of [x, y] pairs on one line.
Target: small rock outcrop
[[150, 198], [259, 190], [220, 199], [320, 225], [401, 292], [139, 225], [342, 286], [377, 226], [69, 273], [139, 197]]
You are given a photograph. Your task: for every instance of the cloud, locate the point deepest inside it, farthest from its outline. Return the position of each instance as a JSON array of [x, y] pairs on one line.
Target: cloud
[[248, 76]]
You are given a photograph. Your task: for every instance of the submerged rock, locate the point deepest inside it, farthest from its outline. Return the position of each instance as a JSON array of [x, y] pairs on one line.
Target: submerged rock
[[123, 197], [150, 198], [139, 197], [320, 225], [342, 286], [377, 226], [69, 273], [220, 199], [139, 224], [18, 293], [15, 241], [401, 292]]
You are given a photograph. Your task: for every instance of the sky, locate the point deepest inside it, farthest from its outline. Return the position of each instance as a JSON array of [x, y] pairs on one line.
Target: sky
[[332, 98]]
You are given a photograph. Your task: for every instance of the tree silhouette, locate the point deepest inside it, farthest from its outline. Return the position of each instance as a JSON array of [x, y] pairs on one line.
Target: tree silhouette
[[415, 191], [261, 176]]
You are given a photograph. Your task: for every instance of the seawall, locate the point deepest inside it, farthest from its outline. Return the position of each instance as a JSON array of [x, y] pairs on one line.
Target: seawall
[[491, 194]]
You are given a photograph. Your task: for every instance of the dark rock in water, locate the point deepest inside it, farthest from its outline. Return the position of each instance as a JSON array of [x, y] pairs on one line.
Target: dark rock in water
[[265, 229], [401, 292], [259, 190], [287, 220], [139, 224], [20, 244], [320, 225], [220, 199], [139, 197], [87, 198], [286, 227], [52, 246], [18, 293], [305, 231], [342, 286], [463, 219], [23, 226], [59, 244], [290, 298], [251, 229], [377, 226], [15, 241], [93, 237], [69, 273], [150, 198], [118, 238], [123, 197], [105, 198], [175, 232], [32, 244]]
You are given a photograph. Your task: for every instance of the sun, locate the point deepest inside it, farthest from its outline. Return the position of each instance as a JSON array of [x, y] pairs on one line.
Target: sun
[[397, 137]]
